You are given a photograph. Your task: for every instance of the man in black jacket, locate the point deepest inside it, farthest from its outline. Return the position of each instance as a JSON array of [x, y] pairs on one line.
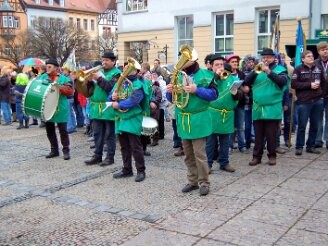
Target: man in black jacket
[[308, 82], [322, 64]]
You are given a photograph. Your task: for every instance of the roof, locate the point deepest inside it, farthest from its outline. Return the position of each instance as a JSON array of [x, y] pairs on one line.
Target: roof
[[95, 6]]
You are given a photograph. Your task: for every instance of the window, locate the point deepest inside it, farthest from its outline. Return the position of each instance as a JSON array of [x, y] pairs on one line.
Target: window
[[4, 21], [78, 23], [92, 25], [185, 25], [136, 5], [62, 3], [324, 22], [85, 24], [8, 51], [71, 21], [16, 23], [37, 1], [266, 20], [51, 2], [223, 40]]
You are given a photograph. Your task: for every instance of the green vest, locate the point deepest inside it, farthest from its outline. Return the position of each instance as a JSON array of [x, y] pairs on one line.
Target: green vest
[[194, 121], [99, 98], [148, 92], [267, 97], [61, 114], [222, 109], [131, 120]]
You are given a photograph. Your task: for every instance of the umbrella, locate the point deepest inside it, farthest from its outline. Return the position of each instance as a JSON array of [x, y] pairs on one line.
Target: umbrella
[[31, 62]]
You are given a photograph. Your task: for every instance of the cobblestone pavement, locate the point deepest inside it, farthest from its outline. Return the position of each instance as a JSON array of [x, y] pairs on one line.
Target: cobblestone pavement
[[57, 202]]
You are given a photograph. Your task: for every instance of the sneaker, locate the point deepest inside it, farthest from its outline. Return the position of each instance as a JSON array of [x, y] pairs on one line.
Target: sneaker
[[66, 156], [318, 145], [204, 190], [189, 187], [228, 168], [298, 152], [280, 150], [313, 151]]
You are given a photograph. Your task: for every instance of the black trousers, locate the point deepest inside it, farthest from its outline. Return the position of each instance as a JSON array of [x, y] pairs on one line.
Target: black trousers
[[265, 129], [51, 134], [161, 128], [145, 140], [131, 146]]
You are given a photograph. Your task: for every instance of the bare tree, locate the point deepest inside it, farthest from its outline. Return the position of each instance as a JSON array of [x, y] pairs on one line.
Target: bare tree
[[15, 47], [107, 42], [52, 37]]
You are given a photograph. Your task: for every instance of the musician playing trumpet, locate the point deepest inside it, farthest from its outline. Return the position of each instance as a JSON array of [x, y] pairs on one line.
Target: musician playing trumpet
[[193, 118], [269, 81], [103, 122]]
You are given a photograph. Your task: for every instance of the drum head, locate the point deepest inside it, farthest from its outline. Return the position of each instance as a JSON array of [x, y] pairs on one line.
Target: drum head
[[149, 122], [50, 102]]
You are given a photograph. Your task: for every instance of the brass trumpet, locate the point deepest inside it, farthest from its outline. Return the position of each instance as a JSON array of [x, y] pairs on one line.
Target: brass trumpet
[[224, 75], [81, 79], [259, 68]]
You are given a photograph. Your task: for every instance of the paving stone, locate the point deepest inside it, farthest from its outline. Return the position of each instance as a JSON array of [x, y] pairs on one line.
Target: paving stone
[[272, 213], [320, 164], [208, 242], [313, 174], [114, 210], [138, 216], [125, 213], [301, 237], [161, 237], [322, 204], [247, 232], [152, 218], [192, 222], [315, 221], [282, 195], [306, 185]]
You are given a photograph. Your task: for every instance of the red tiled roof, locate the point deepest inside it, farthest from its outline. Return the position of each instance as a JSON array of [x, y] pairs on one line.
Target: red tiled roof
[[97, 6]]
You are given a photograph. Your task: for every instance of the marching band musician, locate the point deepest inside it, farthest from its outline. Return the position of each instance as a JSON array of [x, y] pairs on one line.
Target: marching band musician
[[127, 102], [222, 113], [103, 122], [194, 122], [61, 115], [268, 87]]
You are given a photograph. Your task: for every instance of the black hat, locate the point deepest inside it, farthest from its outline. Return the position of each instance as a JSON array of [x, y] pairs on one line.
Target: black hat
[[267, 51], [52, 61], [109, 55], [216, 57], [157, 72], [227, 67], [34, 70]]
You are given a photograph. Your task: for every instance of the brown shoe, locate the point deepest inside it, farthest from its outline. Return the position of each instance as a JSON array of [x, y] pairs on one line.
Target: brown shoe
[[180, 152], [254, 162], [228, 168], [280, 150], [272, 161]]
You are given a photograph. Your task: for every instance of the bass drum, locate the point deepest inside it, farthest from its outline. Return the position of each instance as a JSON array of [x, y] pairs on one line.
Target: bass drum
[[149, 126], [40, 99]]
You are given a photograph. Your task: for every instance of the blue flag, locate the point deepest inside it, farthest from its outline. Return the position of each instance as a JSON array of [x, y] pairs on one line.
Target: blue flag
[[300, 44]]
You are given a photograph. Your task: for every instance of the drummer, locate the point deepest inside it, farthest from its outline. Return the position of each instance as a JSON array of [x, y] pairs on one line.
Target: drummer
[[60, 117], [128, 125]]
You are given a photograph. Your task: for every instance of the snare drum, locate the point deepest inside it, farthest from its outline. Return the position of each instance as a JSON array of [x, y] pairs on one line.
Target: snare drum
[[149, 126], [40, 99]]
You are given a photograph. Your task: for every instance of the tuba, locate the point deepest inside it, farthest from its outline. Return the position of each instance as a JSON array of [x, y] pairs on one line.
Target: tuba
[[179, 97], [121, 92], [81, 80]]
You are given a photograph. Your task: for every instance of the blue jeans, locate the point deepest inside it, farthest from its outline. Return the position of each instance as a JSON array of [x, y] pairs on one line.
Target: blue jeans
[[239, 125], [19, 113], [308, 111], [223, 151], [248, 128], [86, 117], [71, 122], [5, 107], [79, 114], [104, 132], [176, 138], [323, 130]]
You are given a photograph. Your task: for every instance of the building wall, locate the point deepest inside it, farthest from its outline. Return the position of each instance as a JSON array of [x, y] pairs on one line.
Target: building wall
[[82, 16], [35, 13]]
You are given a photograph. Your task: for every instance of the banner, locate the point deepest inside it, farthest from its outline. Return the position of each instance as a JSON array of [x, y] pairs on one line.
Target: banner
[[275, 35], [300, 44], [70, 61]]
